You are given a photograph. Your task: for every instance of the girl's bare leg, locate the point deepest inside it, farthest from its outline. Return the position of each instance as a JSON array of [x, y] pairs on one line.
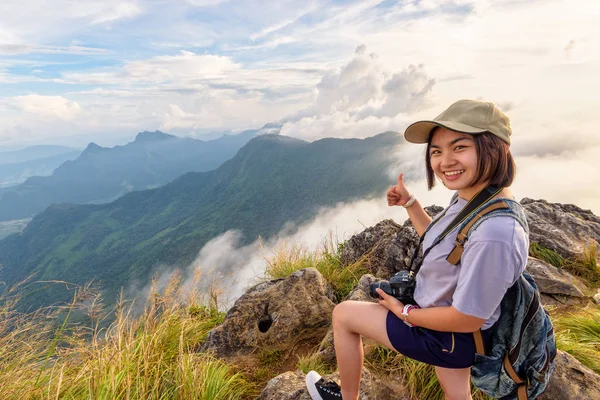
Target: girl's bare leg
[[455, 382], [351, 319]]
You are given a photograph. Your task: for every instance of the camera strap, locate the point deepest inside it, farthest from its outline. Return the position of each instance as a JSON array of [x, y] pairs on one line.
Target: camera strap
[[484, 195]]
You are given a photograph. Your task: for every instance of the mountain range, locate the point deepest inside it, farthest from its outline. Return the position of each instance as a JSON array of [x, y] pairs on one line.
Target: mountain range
[[17, 166], [103, 174], [272, 180]]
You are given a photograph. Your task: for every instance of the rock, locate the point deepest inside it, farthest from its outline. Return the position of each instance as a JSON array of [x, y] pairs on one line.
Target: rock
[[554, 281], [571, 380], [361, 290], [557, 300], [292, 386], [287, 386], [597, 297], [385, 248], [271, 314], [563, 228]]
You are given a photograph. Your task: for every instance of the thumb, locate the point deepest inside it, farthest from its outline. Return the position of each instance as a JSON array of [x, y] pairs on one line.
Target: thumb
[[401, 180]]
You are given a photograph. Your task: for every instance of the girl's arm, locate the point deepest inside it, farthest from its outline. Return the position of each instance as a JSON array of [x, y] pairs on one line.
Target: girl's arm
[[418, 217], [443, 319]]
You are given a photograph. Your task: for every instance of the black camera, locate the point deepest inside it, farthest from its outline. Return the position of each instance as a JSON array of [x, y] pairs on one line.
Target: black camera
[[401, 285]]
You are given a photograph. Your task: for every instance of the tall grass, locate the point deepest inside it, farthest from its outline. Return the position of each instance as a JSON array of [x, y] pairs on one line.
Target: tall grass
[[550, 256], [147, 357], [287, 260], [584, 265], [578, 333]]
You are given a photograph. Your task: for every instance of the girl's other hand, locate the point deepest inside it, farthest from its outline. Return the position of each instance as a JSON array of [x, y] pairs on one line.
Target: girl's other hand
[[398, 195], [390, 302]]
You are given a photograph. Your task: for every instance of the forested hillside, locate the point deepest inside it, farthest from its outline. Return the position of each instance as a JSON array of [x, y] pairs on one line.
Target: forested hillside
[[272, 180]]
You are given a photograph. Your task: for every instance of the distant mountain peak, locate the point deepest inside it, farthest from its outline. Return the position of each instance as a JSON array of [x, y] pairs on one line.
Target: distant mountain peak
[[93, 148], [147, 136]]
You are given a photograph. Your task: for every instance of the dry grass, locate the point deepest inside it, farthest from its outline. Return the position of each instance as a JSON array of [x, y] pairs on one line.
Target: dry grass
[[148, 357], [287, 260], [578, 333], [585, 265]]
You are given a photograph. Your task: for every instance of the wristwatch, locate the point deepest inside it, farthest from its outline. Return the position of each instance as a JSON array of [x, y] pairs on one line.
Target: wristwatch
[[405, 311]]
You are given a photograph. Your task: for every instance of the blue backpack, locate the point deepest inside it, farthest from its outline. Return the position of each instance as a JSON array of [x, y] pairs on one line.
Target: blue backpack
[[521, 358]]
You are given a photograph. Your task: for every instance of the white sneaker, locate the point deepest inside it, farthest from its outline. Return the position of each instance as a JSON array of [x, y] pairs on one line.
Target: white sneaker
[[321, 389]]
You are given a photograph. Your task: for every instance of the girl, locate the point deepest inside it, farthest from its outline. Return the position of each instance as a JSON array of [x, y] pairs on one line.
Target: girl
[[467, 150]]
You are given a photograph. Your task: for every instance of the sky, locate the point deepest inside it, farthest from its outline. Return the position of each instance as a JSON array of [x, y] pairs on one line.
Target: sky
[[103, 70], [75, 72]]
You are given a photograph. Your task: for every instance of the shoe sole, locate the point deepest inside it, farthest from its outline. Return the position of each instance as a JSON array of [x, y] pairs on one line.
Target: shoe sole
[[312, 389]]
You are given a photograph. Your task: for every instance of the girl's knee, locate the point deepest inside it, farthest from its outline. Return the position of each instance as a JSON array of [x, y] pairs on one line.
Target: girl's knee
[[341, 313]]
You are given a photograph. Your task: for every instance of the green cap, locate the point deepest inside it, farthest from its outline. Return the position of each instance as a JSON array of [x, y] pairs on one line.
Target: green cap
[[465, 116]]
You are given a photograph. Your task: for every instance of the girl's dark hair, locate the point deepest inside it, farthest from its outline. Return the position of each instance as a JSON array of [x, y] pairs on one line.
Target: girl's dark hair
[[494, 161]]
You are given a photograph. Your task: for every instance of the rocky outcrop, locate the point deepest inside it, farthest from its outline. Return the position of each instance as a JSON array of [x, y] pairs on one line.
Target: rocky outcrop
[[564, 228], [556, 284], [385, 248], [272, 313], [571, 380], [278, 313], [291, 386]]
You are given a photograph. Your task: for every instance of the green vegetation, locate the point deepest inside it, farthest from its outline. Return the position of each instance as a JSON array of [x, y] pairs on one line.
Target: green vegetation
[[313, 362], [146, 357], [584, 265], [154, 355], [550, 256], [578, 333], [101, 174], [271, 181], [342, 279]]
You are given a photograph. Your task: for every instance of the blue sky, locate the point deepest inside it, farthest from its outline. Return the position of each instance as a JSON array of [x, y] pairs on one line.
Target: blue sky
[[103, 70]]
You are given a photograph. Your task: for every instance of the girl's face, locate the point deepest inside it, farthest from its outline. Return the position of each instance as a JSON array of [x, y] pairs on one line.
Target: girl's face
[[453, 158]]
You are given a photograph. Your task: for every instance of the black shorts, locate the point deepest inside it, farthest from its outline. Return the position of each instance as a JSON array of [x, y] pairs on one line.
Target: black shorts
[[442, 349]]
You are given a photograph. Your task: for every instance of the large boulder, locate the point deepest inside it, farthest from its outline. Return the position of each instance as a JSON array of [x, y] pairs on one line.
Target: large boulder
[[272, 313], [292, 386], [385, 248], [564, 228], [571, 380], [554, 281]]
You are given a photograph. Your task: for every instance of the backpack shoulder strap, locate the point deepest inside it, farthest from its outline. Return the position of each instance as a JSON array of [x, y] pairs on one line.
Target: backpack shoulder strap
[[462, 236]]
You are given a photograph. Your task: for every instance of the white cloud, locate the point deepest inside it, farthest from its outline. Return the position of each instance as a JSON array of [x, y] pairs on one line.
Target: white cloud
[[59, 18], [28, 48], [49, 106], [362, 99], [571, 177]]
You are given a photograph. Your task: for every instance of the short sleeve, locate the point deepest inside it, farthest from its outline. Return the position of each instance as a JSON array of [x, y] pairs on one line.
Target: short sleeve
[[493, 259]]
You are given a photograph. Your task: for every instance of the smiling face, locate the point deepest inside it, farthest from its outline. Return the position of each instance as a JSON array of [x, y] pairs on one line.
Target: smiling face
[[453, 158]]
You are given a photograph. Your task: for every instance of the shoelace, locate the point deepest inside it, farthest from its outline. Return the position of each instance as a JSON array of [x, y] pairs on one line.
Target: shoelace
[[329, 386]]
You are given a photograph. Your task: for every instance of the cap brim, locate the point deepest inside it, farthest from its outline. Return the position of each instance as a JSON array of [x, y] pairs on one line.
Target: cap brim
[[419, 131]]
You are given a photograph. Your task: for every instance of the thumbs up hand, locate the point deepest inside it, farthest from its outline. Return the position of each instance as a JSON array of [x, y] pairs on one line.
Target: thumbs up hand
[[398, 195]]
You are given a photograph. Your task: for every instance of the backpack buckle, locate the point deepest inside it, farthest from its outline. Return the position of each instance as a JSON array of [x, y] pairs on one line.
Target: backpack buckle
[[461, 239]]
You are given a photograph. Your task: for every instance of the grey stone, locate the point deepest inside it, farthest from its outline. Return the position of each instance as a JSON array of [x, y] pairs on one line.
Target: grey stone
[[385, 248], [571, 380], [551, 280], [564, 228], [274, 314], [292, 386]]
